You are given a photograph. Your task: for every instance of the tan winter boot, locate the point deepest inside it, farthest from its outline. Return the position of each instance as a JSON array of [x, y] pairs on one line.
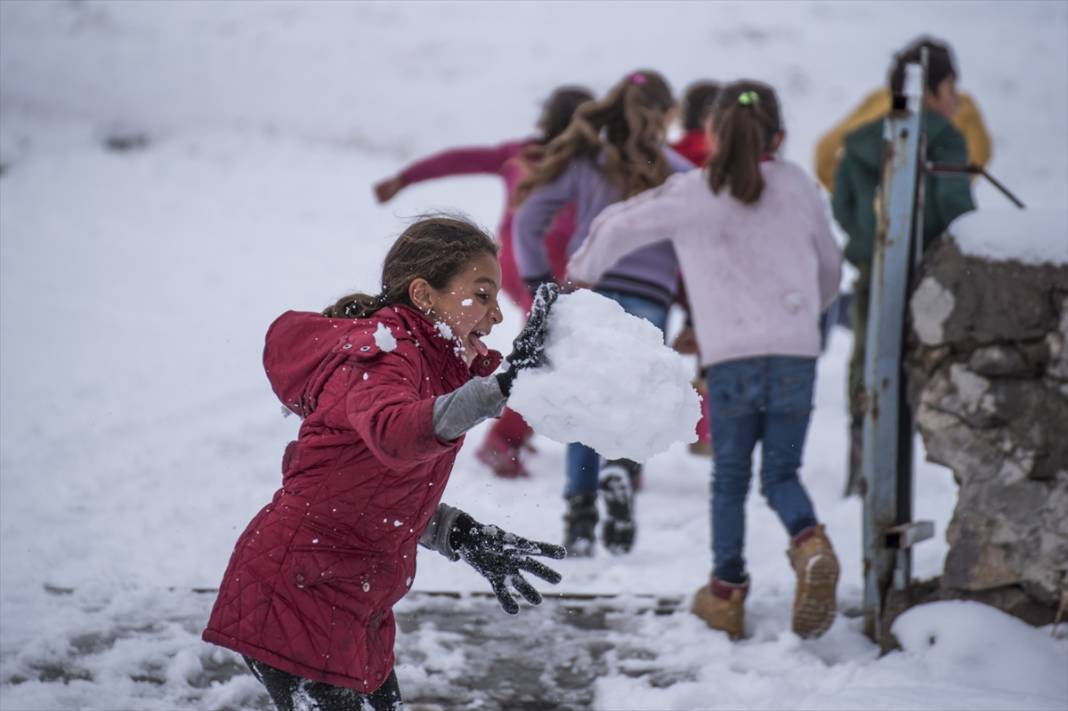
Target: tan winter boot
[[816, 566], [722, 606]]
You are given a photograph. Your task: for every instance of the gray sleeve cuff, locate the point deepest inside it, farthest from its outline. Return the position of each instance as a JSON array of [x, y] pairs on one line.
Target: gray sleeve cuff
[[476, 400], [436, 535]]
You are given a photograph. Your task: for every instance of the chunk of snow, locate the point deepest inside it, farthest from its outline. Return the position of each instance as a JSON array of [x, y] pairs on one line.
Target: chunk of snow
[[610, 383], [384, 338], [1036, 235], [979, 646]]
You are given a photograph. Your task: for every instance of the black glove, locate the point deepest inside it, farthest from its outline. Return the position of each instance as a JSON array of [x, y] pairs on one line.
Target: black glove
[[499, 557], [528, 348], [534, 282]]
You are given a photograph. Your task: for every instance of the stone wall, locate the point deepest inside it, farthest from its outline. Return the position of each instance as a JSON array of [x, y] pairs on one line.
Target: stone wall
[[987, 362]]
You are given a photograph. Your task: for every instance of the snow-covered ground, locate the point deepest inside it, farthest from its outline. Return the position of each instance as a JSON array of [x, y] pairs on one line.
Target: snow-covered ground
[[138, 433]]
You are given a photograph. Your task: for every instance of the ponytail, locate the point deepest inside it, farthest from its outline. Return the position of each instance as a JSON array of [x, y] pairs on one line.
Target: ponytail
[[745, 119], [355, 306]]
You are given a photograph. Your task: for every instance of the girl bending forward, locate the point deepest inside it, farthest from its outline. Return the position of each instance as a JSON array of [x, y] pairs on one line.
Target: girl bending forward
[[386, 386]]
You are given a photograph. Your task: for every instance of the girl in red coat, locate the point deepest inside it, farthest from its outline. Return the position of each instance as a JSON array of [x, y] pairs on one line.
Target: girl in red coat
[[386, 386], [504, 443]]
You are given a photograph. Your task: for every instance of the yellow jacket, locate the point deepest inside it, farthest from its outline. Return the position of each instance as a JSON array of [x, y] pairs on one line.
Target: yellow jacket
[[968, 121]]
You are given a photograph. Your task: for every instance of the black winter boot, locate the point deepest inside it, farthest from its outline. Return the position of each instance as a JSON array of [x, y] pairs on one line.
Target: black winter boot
[[580, 525], [617, 490]]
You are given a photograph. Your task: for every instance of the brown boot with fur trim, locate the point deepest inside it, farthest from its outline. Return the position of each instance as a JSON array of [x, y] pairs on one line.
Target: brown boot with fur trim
[[812, 557], [722, 606]]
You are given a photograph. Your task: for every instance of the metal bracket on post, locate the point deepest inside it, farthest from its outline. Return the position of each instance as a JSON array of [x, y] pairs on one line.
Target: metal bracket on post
[[886, 466]]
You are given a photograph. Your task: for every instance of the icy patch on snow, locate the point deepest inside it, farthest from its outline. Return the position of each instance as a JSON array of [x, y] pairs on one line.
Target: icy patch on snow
[[981, 647], [1037, 235], [384, 338], [611, 383]]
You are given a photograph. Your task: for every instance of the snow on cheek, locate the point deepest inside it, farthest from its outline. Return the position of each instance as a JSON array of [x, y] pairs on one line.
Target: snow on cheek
[[467, 302], [611, 384], [384, 339]]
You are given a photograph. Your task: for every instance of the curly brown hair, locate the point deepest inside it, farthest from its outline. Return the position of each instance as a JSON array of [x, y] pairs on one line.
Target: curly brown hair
[[626, 127], [435, 247]]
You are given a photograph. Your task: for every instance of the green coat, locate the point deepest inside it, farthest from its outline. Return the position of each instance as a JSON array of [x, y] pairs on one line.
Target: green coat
[[855, 181]]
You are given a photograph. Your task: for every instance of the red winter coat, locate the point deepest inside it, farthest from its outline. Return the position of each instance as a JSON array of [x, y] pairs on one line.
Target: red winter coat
[[312, 581], [693, 146]]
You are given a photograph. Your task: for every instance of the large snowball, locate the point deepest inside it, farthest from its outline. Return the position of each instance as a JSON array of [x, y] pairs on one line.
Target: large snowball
[[611, 383]]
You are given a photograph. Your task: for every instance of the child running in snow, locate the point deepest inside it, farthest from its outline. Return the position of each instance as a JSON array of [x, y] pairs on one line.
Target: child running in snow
[[613, 149], [759, 263], [501, 451], [386, 386]]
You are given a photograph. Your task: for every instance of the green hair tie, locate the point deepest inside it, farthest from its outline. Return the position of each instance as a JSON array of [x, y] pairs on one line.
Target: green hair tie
[[748, 98]]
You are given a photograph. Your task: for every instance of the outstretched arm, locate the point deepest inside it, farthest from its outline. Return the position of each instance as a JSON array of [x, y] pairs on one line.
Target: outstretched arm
[[649, 217], [472, 160], [495, 554]]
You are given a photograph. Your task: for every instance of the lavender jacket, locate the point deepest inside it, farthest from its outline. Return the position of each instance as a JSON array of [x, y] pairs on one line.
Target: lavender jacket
[[651, 272]]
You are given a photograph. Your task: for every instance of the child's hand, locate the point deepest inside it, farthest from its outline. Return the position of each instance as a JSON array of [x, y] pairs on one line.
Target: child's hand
[[528, 349], [686, 341], [500, 557], [386, 189]]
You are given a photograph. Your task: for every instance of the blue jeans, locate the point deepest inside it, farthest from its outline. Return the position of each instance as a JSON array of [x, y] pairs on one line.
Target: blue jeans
[[583, 463], [768, 400]]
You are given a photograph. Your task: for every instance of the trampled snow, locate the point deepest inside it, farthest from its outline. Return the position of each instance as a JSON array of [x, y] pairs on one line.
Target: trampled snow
[[138, 434], [611, 383]]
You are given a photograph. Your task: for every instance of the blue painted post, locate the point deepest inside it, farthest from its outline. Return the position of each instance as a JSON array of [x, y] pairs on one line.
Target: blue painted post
[[887, 431]]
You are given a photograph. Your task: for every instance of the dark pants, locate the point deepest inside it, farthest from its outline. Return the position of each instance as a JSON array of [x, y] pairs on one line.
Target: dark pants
[[768, 400], [294, 693]]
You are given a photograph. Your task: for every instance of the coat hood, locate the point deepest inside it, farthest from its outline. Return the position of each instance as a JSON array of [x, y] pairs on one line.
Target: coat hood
[[303, 349]]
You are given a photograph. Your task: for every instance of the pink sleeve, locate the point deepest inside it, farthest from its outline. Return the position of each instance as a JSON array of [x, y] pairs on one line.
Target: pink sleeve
[[461, 161]]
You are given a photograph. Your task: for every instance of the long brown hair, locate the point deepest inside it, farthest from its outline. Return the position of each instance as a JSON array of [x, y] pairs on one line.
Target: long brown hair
[[745, 118], [435, 248], [626, 127]]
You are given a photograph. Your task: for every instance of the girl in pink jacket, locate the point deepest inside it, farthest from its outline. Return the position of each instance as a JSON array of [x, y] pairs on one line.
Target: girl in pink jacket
[[386, 386], [502, 449], [760, 264]]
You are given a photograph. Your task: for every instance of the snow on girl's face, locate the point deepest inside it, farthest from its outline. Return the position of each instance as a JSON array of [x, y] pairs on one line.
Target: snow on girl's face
[[468, 304]]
